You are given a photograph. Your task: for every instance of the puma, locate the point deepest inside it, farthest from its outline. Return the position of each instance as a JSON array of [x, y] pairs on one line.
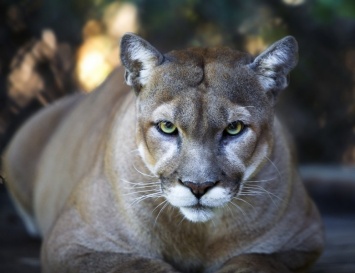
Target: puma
[[191, 172]]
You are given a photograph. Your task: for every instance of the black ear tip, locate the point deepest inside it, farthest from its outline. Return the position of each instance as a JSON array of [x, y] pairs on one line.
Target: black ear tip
[[128, 37], [290, 38], [290, 42]]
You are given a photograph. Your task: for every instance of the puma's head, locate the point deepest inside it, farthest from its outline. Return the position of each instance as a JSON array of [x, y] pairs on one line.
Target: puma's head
[[205, 117]]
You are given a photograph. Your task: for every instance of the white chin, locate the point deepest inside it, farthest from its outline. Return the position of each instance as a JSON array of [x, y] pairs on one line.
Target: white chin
[[197, 214]]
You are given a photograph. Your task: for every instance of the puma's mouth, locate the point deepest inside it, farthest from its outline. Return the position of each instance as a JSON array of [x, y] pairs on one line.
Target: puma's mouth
[[198, 213], [197, 209]]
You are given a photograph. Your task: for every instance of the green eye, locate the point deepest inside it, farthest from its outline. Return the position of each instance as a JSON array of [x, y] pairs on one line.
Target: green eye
[[167, 127], [235, 128]]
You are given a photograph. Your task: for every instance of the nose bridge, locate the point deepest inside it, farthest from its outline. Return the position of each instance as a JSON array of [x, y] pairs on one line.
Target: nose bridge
[[199, 164]]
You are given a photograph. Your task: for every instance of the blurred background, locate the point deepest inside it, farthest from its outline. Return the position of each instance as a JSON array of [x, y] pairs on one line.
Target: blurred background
[[50, 48]]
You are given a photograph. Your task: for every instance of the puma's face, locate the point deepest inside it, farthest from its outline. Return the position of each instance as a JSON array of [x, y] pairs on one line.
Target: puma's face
[[204, 122], [203, 137]]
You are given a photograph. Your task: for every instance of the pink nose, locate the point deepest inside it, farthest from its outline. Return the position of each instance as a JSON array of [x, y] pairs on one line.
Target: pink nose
[[199, 189]]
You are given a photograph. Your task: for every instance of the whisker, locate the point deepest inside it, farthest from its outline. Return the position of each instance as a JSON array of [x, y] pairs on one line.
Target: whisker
[[241, 199], [254, 193], [214, 223], [230, 210], [182, 220], [139, 183], [141, 198], [264, 190], [155, 194], [273, 164], [156, 219], [159, 205], [142, 187], [262, 180], [134, 151], [142, 173], [239, 208], [136, 192], [261, 191]]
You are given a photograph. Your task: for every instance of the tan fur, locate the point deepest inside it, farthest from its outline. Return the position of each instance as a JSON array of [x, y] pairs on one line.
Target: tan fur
[[81, 169]]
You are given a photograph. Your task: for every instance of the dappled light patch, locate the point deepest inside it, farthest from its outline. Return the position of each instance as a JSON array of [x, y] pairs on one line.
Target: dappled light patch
[[98, 54]]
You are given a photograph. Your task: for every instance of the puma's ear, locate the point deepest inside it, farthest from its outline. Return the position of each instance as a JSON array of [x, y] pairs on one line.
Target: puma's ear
[[273, 65], [139, 58]]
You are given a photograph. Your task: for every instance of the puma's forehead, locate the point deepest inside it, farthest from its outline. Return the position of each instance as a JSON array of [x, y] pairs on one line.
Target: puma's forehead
[[219, 71], [197, 65]]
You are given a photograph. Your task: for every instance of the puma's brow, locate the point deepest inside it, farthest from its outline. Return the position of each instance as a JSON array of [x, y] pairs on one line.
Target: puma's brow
[[164, 112], [239, 113]]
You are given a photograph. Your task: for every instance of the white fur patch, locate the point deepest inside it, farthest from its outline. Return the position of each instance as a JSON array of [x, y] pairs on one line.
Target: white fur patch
[[215, 197], [181, 196], [195, 211], [268, 66], [168, 156], [240, 113], [271, 61], [144, 56], [197, 214], [164, 112], [266, 83], [250, 170], [142, 154]]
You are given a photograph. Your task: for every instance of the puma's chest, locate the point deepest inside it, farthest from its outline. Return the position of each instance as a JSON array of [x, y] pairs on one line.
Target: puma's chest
[[202, 247]]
